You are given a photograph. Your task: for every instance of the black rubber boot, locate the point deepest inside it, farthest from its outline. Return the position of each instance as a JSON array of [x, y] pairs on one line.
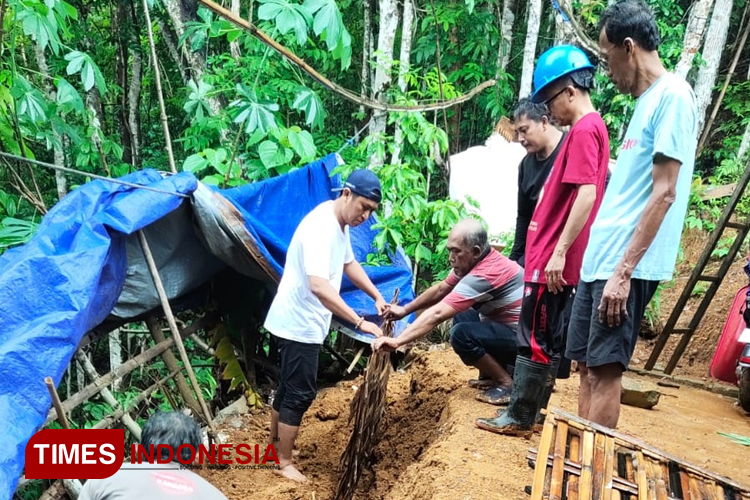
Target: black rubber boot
[[548, 386], [528, 387]]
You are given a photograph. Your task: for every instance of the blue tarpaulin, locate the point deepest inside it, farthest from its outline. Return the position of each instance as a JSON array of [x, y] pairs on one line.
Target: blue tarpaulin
[[68, 278]]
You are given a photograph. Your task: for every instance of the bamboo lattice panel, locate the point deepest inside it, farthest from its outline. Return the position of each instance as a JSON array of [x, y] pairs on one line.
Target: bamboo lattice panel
[[586, 461]]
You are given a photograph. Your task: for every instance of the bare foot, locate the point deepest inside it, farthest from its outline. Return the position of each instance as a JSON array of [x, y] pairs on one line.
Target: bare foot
[[290, 472]]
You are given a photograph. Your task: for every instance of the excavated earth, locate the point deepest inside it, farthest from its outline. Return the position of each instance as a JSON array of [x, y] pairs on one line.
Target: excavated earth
[[431, 450]]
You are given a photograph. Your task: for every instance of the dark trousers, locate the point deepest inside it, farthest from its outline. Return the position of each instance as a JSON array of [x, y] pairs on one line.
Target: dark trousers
[[472, 338], [541, 331], [298, 385]]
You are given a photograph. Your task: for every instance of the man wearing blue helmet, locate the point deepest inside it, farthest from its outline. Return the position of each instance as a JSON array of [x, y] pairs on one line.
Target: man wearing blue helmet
[[636, 235], [557, 234], [319, 254]]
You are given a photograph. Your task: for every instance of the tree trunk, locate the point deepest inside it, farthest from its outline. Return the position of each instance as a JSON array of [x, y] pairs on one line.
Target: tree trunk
[[407, 35], [696, 26], [122, 27], [59, 155], [366, 51], [563, 30], [506, 18], [94, 104], [134, 104], [171, 44], [529, 51], [234, 47], [386, 39], [115, 356], [744, 145], [179, 15], [716, 38]]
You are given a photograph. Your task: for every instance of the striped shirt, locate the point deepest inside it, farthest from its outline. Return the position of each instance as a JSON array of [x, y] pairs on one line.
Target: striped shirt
[[494, 288]]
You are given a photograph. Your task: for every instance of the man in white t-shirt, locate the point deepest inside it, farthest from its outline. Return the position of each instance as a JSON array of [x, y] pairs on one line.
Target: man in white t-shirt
[[319, 254]]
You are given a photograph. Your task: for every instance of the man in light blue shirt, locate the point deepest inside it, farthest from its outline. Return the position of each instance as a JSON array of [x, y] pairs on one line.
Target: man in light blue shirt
[[636, 234]]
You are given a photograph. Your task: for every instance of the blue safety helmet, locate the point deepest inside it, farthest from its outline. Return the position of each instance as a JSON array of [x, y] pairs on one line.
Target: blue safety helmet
[[556, 62]]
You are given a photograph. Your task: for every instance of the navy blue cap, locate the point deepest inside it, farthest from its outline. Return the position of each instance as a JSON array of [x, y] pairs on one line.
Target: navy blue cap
[[364, 183]]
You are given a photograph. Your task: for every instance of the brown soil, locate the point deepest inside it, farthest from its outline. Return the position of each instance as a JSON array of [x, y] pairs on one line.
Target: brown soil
[[696, 359], [431, 450]]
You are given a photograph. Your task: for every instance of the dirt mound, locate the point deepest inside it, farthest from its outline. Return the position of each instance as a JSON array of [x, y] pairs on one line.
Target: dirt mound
[[414, 419], [431, 450], [696, 360]]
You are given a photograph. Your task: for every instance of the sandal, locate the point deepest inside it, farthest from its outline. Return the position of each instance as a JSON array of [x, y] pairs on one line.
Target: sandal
[[498, 395], [481, 383]]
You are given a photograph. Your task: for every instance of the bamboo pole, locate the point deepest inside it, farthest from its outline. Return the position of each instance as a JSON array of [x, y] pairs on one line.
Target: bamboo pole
[[160, 95], [648, 450], [110, 420], [173, 327], [574, 471], [170, 361], [540, 471], [584, 488], [56, 403], [96, 386], [609, 468], [127, 420], [558, 463]]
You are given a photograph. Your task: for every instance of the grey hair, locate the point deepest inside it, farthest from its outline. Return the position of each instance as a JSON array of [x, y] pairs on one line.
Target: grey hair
[[173, 429], [477, 237]]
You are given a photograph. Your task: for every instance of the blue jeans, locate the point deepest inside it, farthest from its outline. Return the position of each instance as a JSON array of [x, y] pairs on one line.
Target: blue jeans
[[472, 338]]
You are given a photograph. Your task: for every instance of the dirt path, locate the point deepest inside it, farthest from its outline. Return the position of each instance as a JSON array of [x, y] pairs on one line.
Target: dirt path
[[431, 450]]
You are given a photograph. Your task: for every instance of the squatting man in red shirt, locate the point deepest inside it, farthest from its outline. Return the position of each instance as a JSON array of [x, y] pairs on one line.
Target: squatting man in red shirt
[[557, 234], [483, 296], [319, 254]]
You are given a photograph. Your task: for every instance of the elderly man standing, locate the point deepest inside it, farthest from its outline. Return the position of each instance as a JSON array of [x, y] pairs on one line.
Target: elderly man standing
[[636, 234], [483, 280]]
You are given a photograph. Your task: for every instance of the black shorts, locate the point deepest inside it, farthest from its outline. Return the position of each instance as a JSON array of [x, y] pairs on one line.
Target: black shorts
[[595, 343], [541, 329], [298, 383]]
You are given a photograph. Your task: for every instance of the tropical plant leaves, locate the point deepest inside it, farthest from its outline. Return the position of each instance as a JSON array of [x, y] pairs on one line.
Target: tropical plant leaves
[[40, 24], [274, 156], [308, 102], [90, 74], [303, 144], [329, 26], [16, 231], [68, 98], [287, 16], [31, 103], [255, 113], [197, 102]]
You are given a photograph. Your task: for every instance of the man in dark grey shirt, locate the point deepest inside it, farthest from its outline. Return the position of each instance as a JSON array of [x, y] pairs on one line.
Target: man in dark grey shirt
[[542, 141], [157, 481]]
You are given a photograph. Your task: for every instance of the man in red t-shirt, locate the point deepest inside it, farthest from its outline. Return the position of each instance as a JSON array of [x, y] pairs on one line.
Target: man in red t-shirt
[[558, 232], [483, 296]]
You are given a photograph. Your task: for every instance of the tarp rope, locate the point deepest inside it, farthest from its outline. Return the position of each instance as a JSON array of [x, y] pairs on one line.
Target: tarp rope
[[88, 174]]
